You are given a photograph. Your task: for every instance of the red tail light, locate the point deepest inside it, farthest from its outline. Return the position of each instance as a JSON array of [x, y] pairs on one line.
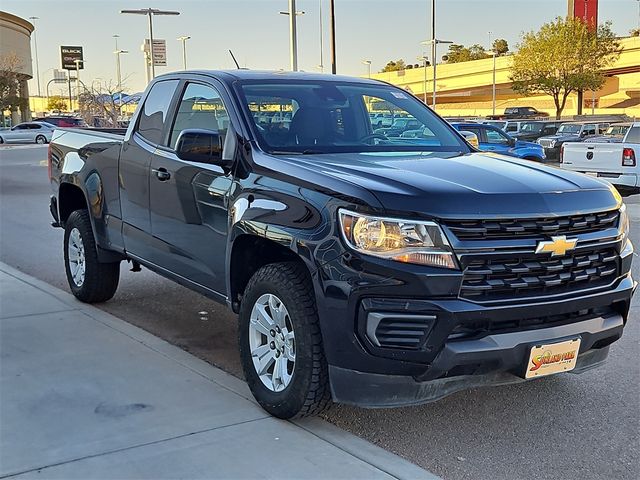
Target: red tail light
[[561, 153], [628, 157]]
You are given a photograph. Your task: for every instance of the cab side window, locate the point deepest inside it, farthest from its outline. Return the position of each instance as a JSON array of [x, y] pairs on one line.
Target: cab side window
[[201, 108], [154, 111], [634, 135], [495, 137]]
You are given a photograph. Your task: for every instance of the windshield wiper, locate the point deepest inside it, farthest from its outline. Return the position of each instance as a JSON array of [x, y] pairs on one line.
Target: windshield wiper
[[296, 152]]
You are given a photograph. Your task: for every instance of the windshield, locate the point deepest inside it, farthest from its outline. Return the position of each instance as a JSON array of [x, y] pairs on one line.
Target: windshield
[[334, 117], [617, 130], [532, 127], [569, 128]]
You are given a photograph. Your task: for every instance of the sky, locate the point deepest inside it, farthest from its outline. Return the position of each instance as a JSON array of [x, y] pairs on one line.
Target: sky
[[376, 30]]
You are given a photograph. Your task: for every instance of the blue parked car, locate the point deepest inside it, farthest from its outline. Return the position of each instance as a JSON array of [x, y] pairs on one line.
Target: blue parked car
[[493, 139]]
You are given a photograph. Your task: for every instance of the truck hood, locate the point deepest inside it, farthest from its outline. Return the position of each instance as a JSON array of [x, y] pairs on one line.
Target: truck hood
[[448, 185], [568, 137]]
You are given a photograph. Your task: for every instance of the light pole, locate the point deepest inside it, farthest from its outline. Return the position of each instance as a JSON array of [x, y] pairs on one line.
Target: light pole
[[119, 52], [434, 42], [493, 53], [78, 62], [368, 64], [321, 66], [150, 12], [293, 34], [332, 30], [425, 61], [184, 39], [35, 42]]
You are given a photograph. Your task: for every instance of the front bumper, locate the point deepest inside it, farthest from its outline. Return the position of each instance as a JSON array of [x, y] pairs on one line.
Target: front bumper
[[353, 291], [505, 353]]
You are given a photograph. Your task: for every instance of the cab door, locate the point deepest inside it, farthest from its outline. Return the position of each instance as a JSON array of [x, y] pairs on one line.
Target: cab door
[[496, 141], [188, 200], [134, 166]]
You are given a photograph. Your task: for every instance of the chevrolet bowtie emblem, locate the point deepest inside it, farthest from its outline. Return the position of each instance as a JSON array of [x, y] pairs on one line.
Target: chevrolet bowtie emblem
[[557, 245]]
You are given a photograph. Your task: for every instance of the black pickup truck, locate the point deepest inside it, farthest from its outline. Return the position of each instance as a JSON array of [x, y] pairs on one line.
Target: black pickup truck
[[365, 269], [514, 113]]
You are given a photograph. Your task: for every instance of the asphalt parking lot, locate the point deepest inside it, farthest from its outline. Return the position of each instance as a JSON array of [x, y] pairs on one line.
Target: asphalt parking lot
[[572, 426]]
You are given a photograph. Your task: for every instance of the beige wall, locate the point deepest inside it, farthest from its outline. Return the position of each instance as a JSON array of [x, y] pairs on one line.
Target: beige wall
[[15, 38]]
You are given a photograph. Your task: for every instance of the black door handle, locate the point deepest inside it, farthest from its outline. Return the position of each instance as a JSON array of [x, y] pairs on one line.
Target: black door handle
[[162, 174]]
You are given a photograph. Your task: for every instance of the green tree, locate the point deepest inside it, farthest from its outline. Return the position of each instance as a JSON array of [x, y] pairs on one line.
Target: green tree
[[10, 77], [394, 66], [459, 53], [500, 46], [56, 104], [564, 56]]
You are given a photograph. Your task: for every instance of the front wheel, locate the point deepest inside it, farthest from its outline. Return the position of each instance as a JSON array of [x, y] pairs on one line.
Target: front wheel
[[280, 342], [90, 280]]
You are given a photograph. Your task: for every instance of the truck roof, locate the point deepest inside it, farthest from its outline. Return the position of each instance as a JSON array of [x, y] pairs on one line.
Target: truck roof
[[245, 74]]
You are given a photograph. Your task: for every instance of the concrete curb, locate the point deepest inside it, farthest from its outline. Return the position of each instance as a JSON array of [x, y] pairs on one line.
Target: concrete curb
[[379, 458]]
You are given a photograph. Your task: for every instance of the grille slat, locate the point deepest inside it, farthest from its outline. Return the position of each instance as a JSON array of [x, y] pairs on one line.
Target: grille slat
[[528, 228], [493, 278]]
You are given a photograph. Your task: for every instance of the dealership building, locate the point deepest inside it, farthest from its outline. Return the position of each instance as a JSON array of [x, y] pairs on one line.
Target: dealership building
[[15, 53]]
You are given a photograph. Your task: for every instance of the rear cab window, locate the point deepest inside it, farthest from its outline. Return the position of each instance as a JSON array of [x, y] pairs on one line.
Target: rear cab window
[[154, 112]]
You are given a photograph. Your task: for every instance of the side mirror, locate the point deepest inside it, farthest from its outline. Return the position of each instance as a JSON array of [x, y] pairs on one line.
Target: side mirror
[[512, 142], [199, 145], [470, 137]]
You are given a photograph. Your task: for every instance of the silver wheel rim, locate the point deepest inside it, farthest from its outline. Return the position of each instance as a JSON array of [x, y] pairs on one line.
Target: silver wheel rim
[[272, 342], [40, 140], [75, 251]]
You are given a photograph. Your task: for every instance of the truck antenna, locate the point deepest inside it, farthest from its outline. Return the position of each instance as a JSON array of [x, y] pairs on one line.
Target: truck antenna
[[234, 59]]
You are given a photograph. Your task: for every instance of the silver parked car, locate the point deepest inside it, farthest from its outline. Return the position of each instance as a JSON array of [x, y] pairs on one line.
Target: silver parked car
[[28, 132]]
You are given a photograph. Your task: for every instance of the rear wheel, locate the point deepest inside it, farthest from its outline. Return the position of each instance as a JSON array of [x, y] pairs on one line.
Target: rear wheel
[[41, 139], [1, 140], [90, 280], [280, 342]]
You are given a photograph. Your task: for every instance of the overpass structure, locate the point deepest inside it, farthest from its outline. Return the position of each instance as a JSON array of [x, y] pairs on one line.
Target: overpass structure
[[465, 89]]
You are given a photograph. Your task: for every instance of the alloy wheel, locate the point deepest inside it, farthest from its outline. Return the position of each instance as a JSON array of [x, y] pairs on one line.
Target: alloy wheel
[[272, 342], [77, 262]]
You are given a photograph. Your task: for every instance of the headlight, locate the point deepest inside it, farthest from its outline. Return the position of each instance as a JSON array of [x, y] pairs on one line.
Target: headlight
[[623, 224], [406, 241]]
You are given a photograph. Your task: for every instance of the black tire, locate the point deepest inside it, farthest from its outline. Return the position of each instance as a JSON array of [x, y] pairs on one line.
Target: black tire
[[1, 140], [100, 279], [308, 392], [42, 139]]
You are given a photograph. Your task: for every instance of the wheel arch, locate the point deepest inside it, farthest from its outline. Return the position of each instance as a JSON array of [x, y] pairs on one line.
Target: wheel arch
[[70, 198], [248, 254]]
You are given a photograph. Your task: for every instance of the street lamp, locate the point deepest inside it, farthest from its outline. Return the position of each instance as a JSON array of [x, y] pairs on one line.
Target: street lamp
[[150, 12], [425, 61], [35, 41], [368, 64], [293, 36], [184, 39], [117, 53], [494, 54], [434, 42]]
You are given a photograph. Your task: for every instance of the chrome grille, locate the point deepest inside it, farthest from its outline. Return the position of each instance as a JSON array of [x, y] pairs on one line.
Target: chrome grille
[[545, 142], [495, 278], [532, 228]]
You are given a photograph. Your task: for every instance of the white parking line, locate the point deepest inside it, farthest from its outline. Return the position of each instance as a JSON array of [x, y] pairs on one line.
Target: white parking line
[[5, 146]]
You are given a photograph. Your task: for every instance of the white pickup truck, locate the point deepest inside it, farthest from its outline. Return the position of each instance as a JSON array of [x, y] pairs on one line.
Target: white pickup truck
[[617, 163]]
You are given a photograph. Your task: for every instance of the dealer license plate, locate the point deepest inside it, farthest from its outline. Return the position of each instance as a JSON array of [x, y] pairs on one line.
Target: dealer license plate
[[552, 358]]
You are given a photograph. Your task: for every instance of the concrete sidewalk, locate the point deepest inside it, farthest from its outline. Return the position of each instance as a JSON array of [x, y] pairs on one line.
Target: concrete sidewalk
[[86, 395]]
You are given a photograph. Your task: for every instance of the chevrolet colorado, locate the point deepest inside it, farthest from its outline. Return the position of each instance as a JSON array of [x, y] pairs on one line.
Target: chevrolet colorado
[[365, 269]]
